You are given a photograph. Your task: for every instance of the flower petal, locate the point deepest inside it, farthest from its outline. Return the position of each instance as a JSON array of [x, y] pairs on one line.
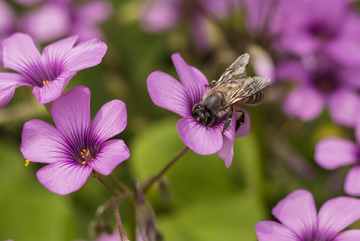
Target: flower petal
[[95, 12], [84, 55], [48, 22], [226, 152], [53, 54], [108, 122], [71, 114], [331, 153], [53, 90], [348, 235], [270, 231], [292, 70], [168, 93], [63, 177], [160, 15], [41, 142], [20, 54], [298, 212], [111, 154], [299, 42], [335, 215], [195, 83], [352, 181], [200, 36], [8, 83], [7, 18], [350, 76], [305, 103], [344, 106], [197, 138], [244, 128]]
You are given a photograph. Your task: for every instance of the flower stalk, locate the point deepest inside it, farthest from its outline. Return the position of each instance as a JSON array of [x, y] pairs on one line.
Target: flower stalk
[[118, 220], [98, 177], [150, 181]]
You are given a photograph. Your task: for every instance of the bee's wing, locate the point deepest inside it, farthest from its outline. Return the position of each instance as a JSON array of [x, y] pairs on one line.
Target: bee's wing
[[236, 70], [243, 88]]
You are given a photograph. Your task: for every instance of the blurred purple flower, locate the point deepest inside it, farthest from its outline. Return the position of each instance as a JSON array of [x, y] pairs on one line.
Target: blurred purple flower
[[54, 20], [311, 26], [321, 82], [300, 222], [48, 73], [109, 237], [7, 21], [31, 2], [158, 16], [334, 152], [167, 92], [259, 15], [75, 147]]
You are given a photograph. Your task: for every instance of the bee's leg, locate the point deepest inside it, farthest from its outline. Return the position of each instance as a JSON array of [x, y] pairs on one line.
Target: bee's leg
[[228, 121], [212, 84], [240, 120]]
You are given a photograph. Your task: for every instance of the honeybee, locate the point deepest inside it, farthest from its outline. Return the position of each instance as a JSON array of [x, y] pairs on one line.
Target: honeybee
[[233, 87]]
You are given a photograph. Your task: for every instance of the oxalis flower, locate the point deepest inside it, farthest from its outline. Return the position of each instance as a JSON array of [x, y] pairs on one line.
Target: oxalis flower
[[48, 73], [75, 148], [300, 222], [321, 83], [334, 152], [165, 91]]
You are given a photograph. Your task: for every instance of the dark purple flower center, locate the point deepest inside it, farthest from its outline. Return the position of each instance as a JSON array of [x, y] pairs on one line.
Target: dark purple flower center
[[85, 156], [326, 83], [321, 32]]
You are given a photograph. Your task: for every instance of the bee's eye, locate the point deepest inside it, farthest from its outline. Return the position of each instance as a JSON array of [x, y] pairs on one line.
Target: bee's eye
[[198, 107]]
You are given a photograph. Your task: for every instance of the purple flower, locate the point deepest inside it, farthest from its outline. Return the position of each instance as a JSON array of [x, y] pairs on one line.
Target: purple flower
[[31, 2], [48, 73], [7, 20], [158, 16], [300, 222], [54, 20], [75, 148], [109, 237], [321, 82], [334, 152], [258, 13], [311, 26], [167, 92]]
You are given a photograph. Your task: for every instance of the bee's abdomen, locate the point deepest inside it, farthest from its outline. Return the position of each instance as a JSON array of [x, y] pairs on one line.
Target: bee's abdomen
[[254, 99]]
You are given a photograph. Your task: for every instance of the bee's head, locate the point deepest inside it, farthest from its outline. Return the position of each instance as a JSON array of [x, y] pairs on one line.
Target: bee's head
[[203, 115]]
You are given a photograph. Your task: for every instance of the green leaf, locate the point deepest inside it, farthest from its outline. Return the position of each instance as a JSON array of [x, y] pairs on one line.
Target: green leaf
[[210, 202], [28, 210], [229, 217]]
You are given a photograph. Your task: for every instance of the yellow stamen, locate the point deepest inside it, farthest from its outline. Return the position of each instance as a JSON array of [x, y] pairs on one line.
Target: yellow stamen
[[45, 82], [83, 162], [27, 163]]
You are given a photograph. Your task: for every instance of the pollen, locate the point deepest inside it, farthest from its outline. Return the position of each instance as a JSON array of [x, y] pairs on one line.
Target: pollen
[[86, 157], [45, 82], [27, 162]]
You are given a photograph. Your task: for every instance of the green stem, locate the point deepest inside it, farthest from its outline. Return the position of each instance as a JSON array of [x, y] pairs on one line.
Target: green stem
[[149, 182], [105, 185], [120, 186], [118, 220]]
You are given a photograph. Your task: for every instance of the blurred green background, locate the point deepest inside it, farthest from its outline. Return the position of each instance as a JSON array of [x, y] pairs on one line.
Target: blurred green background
[[203, 200]]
